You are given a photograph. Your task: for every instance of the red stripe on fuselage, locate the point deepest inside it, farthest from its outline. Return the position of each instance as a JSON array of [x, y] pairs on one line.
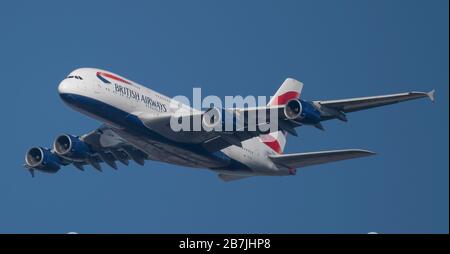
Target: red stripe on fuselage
[[113, 77], [284, 98]]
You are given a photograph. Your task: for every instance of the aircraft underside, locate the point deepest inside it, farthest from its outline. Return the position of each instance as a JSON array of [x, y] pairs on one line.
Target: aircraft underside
[[159, 151]]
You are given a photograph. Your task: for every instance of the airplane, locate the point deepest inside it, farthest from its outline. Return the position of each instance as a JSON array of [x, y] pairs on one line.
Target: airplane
[[136, 127]]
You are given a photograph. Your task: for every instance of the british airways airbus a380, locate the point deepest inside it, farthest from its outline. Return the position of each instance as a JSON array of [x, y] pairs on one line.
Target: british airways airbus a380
[[136, 126]]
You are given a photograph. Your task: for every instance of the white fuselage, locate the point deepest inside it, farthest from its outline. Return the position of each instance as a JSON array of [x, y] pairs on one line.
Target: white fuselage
[[106, 97]]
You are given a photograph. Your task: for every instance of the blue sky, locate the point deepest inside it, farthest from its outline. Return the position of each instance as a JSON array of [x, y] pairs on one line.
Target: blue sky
[[339, 49]]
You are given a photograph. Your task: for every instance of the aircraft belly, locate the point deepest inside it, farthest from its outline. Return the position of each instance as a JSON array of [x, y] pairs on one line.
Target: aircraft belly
[[159, 151]]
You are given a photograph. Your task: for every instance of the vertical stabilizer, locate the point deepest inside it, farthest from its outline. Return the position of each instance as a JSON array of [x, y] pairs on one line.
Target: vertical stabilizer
[[290, 89]]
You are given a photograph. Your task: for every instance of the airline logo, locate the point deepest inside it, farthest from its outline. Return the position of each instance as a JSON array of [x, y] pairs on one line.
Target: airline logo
[[276, 141], [284, 98], [103, 75]]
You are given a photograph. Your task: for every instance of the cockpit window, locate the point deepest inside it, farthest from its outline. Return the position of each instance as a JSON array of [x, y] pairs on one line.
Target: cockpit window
[[76, 77]]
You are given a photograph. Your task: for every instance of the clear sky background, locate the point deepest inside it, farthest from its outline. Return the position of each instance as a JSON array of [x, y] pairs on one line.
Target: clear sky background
[[339, 49]]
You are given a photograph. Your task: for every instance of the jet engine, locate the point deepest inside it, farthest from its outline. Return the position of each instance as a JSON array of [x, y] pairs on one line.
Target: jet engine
[[71, 147], [302, 111], [42, 159], [293, 109], [220, 119], [212, 119]]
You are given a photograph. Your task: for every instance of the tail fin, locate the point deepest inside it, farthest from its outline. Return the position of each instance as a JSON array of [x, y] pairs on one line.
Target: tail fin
[[290, 89], [275, 140]]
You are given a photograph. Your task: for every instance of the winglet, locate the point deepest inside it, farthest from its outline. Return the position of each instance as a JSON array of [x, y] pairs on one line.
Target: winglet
[[430, 95]]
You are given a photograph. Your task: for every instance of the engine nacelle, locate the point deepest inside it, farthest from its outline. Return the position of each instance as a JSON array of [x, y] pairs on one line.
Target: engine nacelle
[[302, 111], [212, 119], [71, 147], [42, 159], [220, 119], [293, 109]]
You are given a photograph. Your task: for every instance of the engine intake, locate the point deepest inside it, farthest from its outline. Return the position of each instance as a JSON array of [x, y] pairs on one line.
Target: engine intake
[[71, 147], [218, 119], [42, 159], [293, 109], [212, 119]]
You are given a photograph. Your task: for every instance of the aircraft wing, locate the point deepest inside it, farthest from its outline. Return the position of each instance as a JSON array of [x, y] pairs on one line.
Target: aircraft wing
[[98, 146], [335, 108], [211, 140], [109, 147], [300, 160], [290, 115]]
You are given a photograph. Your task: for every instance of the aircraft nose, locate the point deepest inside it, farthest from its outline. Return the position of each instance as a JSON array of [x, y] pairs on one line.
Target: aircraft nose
[[64, 87], [66, 91]]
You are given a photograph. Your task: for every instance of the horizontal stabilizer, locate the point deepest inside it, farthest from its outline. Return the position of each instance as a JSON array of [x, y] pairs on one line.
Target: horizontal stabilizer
[[299, 160]]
